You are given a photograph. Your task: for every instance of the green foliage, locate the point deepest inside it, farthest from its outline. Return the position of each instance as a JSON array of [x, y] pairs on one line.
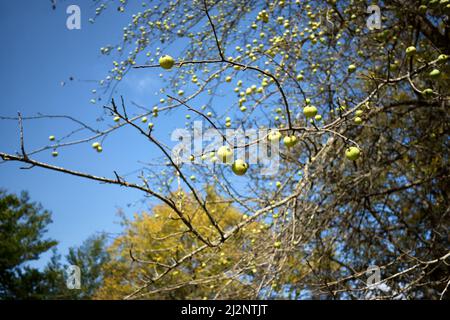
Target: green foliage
[[22, 228], [90, 258]]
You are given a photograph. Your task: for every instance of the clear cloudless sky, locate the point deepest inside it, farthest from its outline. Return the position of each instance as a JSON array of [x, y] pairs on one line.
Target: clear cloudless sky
[[37, 53]]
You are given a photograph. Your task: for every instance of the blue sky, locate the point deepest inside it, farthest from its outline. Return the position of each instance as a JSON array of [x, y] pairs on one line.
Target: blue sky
[[38, 52]]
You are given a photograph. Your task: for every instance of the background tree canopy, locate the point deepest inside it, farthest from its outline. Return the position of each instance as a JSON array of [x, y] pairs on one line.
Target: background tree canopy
[[22, 229], [361, 116], [22, 225]]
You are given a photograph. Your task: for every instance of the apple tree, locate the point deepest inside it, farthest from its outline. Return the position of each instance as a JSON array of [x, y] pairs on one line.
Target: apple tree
[[356, 118]]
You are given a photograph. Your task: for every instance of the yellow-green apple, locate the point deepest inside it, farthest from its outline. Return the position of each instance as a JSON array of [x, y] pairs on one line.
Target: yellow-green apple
[[352, 153], [435, 73], [309, 111], [166, 62], [239, 167], [351, 68], [274, 135], [410, 50], [290, 141], [225, 154]]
